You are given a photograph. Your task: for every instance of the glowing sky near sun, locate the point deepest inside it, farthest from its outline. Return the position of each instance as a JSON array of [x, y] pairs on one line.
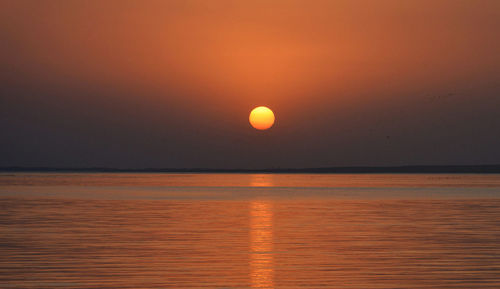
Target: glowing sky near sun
[[170, 83]]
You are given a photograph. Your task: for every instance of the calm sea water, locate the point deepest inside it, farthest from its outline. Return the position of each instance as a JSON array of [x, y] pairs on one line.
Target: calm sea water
[[249, 231]]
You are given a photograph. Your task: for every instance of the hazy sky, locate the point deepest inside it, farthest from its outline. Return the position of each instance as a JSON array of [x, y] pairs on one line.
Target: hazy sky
[[171, 83]]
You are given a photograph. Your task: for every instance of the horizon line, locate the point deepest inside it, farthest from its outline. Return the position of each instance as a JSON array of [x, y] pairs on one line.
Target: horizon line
[[490, 168]]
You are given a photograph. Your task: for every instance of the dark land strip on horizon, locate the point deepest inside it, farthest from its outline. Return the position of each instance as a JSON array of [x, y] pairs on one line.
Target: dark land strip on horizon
[[472, 169]]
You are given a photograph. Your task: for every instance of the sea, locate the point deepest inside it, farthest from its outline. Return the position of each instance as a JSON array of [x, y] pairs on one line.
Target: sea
[[163, 230]]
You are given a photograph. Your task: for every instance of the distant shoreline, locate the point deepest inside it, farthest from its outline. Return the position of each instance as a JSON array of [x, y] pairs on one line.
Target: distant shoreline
[[458, 169]]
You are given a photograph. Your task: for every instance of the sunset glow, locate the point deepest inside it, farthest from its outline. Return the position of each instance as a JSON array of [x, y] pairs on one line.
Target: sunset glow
[[369, 160], [383, 82]]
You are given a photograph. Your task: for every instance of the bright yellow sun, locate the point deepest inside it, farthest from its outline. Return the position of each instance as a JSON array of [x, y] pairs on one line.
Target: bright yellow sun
[[261, 118]]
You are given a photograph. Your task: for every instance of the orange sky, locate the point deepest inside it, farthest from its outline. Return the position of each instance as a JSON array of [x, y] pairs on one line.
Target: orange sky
[[324, 67]]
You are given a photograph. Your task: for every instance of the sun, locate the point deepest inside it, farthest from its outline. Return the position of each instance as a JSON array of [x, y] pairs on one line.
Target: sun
[[261, 118]]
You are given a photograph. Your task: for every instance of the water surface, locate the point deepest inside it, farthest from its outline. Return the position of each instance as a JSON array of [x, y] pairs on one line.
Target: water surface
[[249, 231]]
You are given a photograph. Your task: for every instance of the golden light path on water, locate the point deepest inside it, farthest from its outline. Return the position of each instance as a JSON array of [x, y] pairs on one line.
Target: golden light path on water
[[261, 244], [261, 237]]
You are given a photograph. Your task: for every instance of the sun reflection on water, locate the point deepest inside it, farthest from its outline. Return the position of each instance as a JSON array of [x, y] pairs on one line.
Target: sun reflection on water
[[261, 180], [261, 244]]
